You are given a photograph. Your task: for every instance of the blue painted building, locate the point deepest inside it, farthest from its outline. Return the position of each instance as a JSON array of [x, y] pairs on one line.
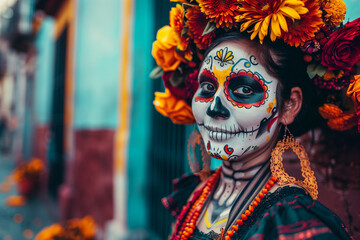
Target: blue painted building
[[109, 154]]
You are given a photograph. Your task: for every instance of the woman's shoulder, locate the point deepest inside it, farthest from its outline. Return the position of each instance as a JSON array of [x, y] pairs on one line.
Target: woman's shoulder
[[290, 213], [183, 188]]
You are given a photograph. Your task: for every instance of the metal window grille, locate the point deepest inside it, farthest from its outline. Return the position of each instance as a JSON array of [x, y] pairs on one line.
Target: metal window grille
[[167, 151]]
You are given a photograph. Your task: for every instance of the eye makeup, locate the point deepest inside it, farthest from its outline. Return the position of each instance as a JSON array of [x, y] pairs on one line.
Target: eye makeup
[[245, 89], [208, 86]]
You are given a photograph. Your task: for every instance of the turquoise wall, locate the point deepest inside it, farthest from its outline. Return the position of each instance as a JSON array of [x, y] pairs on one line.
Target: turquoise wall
[[44, 73], [140, 113], [353, 10], [97, 63]]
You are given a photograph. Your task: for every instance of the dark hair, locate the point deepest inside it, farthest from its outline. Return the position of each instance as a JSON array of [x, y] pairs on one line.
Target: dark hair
[[286, 64]]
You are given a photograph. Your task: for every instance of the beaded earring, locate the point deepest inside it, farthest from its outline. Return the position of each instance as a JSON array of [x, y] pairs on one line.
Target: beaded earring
[[196, 145], [276, 165]]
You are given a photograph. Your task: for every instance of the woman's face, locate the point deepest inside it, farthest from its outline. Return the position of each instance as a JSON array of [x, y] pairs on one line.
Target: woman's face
[[235, 106]]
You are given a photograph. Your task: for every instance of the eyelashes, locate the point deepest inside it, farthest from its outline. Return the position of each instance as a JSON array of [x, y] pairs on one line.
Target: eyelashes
[[242, 89], [208, 84], [207, 89], [244, 82], [245, 89]]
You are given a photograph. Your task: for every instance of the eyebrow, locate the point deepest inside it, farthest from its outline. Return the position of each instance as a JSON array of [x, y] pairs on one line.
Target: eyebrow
[[207, 75]]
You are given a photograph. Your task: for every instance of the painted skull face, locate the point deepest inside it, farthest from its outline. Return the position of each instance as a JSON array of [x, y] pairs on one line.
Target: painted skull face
[[235, 106]]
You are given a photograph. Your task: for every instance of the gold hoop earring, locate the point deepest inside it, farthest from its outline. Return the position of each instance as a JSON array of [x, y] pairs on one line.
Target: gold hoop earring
[[195, 142], [276, 165]]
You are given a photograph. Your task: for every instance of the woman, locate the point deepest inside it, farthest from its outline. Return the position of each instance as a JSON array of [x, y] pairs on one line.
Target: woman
[[244, 96]]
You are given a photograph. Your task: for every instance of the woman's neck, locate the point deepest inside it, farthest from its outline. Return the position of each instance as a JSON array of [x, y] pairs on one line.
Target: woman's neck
[[237, 174], [234, 178]]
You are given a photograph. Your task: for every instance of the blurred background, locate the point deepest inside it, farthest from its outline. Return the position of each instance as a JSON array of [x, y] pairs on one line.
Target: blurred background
[[79, 135]]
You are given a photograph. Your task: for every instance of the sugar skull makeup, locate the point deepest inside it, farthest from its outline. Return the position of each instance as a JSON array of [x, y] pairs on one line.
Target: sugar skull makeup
[[235, 106]]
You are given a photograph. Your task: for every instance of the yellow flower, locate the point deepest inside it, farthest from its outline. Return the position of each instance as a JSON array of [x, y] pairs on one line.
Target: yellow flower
[[264, 13], [300, 31], [164, 49], [335, 12], [176, 109]]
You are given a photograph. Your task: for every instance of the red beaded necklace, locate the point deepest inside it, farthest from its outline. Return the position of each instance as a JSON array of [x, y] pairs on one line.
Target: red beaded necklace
[[188, 226]]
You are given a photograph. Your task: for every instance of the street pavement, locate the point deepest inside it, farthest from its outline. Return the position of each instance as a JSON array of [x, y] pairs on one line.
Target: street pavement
[[24, 222]]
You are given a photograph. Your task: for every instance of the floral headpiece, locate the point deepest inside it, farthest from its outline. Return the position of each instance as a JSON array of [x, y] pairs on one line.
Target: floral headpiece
[[331, 49]]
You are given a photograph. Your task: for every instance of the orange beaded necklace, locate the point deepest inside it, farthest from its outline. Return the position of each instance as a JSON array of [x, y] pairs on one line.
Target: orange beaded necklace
[[188, 226]]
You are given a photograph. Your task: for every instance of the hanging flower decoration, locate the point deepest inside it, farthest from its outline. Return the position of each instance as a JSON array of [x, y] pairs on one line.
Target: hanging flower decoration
[[331, 49]]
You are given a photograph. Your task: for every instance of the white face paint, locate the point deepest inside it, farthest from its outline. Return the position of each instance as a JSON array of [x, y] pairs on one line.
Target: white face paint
[[235, 106]]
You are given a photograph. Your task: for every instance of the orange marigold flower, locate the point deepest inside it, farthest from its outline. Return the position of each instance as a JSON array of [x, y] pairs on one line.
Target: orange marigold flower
[[335, 12], [177, 24], [177, 18], [269, 15], [329, 111], [49, 232], [183, 1], [176, 109], [353, 90], [15, 201], [86, 226], [83, 229], [164, 49], [304, 29], [344, 122], [33, 169], [196, 23], [328, 75], [221, 12]]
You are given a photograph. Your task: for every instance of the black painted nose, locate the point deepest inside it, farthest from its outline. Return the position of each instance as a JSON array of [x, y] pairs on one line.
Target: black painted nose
[[219, 110]]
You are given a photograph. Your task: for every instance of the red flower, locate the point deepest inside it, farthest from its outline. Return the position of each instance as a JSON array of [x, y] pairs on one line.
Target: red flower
[[196, 23], [184, 88], [342, 51], [191, 84]]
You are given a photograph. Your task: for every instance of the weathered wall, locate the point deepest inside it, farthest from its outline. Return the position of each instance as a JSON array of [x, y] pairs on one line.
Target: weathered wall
[[90, 163], [335, 158]]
